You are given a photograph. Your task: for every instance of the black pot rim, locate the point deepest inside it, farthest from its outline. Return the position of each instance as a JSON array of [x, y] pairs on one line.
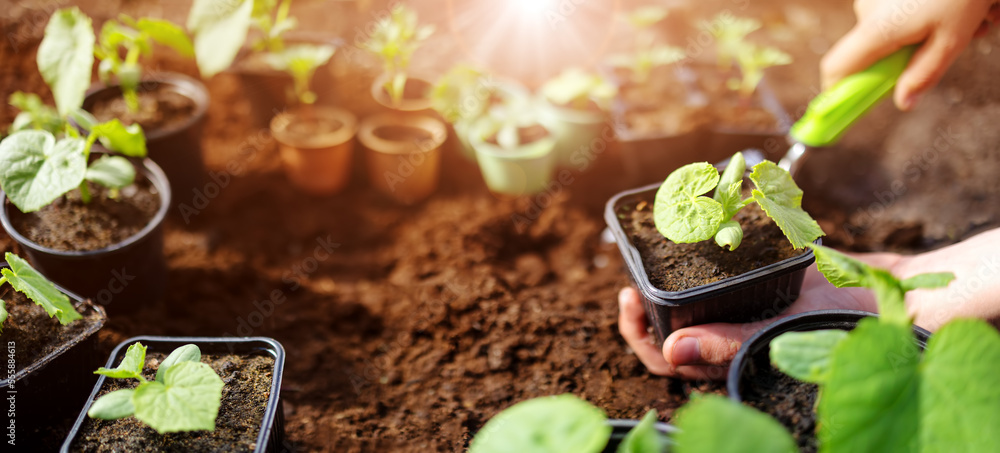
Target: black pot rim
[[78, 303], [270, 412], [153, 173], [187, 86], [800, 322], [674, 298]]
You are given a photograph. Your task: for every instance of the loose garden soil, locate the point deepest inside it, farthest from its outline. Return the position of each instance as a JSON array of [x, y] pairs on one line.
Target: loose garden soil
[[160, 108], [244, 399], [677, 267], [788, 400], [34, 332], [69, 224]]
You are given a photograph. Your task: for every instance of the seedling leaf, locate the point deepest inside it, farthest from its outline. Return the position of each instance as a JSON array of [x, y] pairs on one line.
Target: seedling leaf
[[301, 62], [35, 169], [188, 399], [66, 57], [112, 406], [680, 213], [927, 281], [733, 174], [130, 366], [544, 425], [781, 199], [575, 88], [711, 423], [127, 140], [643, 438], [219, 28], [806, 355], [186, 353], [113, 172], [3, 313], [838, 268], [730, 235], [166, 33], [26, 280]]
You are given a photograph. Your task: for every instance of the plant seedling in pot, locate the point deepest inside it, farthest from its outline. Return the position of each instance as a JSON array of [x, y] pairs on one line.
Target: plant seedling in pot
[[34, 114], [26, 280], [513, 148], [730, 34], [562, 423], [394, 40], [647, 53], [185, 395], [753, 60], [464, 93], [579, 90], [684, 215], [301, 61]]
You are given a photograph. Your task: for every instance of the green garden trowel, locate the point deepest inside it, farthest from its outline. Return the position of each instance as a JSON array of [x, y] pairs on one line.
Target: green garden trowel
[[832, 112]]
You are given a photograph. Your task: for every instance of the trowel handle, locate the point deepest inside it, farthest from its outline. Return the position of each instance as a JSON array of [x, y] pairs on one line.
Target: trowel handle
[[836, 109]]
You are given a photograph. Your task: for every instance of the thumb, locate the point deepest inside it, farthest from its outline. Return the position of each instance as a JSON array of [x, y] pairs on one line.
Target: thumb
[[708, 344]]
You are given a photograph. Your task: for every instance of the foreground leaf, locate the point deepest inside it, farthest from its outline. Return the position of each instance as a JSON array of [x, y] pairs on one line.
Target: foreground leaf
[[644, 438], [712, 423], [127, 140], [781, 199], [730, 235], [186, 353], [838, 268], [806, 355], [113, 405], [168, 34], [553, 424], [25, 279], [35, 169], [681, 214], [219, 28], [66, 56], [130, 366], [188, 399], [113, 172]]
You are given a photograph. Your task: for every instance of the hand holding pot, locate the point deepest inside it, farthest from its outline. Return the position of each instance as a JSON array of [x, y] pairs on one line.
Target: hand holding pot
[[884, 26], [704, 352]]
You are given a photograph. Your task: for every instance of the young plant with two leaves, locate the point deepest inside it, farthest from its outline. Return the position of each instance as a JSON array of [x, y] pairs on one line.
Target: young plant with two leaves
[[683, 214], [464, 94], [578, 89], [395, 39], [877, 391], [185, 395], [26, 280], [647, 53], [731, 46]]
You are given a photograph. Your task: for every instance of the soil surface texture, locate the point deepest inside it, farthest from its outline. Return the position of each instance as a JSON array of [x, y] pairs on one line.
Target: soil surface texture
[[247, 388], [160, 108]]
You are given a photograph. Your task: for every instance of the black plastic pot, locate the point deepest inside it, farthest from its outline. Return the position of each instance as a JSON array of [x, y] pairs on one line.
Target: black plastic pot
[[756, 295], [272, 432], [47, 392], [620, 428], [756, 350], [121, 277], [177, 150]]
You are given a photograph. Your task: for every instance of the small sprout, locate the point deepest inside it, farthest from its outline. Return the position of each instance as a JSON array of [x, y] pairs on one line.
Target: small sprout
[[301, 62], [66, 57], [26, 280], [577, 88], [729, 33], [34, 114], [271, 30], [219, 28], [185, 395], [394, 40], [753, 60], [647, 54], [506, 121], [464, 93], [683, 214]]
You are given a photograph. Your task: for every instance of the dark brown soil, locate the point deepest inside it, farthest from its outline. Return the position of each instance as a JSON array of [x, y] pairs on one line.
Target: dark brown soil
[[70, 225], [402, 134], [305, 126], [676, 267], [160, 108], [788, 400], [244, 399], [34, 332]]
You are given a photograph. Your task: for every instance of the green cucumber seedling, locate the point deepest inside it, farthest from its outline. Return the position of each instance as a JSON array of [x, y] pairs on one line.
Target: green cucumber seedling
[[301, 61], [271, 19], [683, 214], [463, 93], [577, 89], [394, 40], [185, 395], [514, 125], [729, 33], [753, 60], [563, 423], [26, 280], [647, 53]]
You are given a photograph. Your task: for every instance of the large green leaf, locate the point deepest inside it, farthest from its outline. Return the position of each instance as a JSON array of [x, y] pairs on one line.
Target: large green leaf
[[130, 366], [35, 169], [552, 424], [66, 57], [781, 199], [186, 353], [870, 399], [959, 395], [219, 28], [166, 33], [113, 405], [838, 268], [644, 438], [113, 172], [680, 212], [927, 281], [711, 423], [188, 399], [806, 355], [127, 140], [26, 280]]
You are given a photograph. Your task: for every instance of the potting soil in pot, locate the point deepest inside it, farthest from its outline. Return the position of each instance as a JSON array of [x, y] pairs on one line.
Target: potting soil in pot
[[160, 108], [69, 224], [247, 387], [790, 401], [33, 332]]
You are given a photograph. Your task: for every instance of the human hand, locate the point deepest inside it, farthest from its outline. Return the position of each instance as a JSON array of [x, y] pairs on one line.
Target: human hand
[[945, 27]]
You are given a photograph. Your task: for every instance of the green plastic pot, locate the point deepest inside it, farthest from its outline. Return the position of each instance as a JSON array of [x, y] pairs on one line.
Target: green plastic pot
[[522, 171]]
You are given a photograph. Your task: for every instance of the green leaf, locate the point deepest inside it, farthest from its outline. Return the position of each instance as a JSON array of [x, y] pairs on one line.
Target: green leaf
[[168, 34], [34, 114], [188, 399], [959, 395], [680, 214], [644, 438], [113, 405], [927, 281], [889, 295], [219, 28], [66, 57], [113, 172], [733, 174], [130, 366], [301, 62], [552, 424], [115, 136], [26, 280], [730, 235], [35, 169], [870, 399], [806, 355], [574, 87], [3, 313], [186, 353], [838, 268], [711, 423], [781, 199]]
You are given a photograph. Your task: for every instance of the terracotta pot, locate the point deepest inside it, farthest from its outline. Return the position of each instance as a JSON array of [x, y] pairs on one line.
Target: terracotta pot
[[316, 147], [403, 154], [416, 94]]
